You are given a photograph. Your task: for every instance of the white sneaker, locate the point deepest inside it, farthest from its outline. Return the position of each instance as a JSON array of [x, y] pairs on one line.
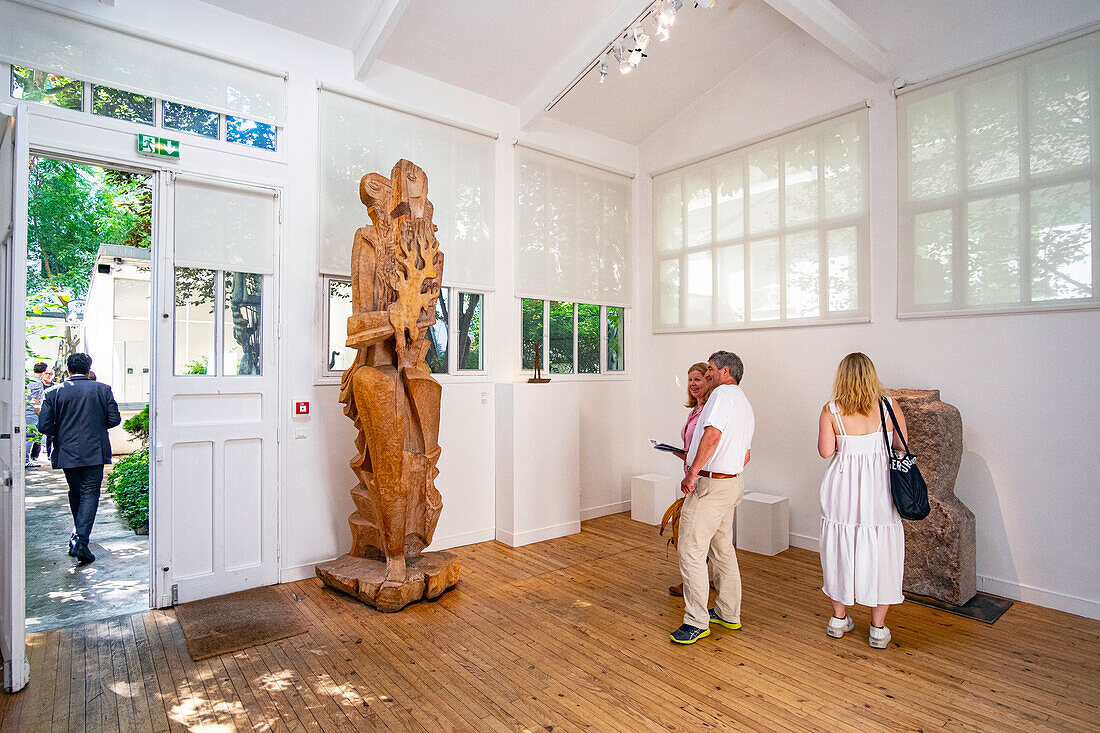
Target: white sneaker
[[838, 627], [879, 637]]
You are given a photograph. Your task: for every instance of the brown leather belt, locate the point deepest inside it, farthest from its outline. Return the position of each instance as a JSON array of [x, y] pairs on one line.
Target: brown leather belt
[[712, 474]]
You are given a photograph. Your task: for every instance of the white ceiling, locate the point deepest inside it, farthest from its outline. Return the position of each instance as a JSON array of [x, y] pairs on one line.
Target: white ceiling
[[499, 48], [339, 22], [704, 47]]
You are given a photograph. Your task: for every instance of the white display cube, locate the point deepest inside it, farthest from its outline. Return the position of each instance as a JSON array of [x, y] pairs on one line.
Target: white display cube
[[763, 523], [650, 495]]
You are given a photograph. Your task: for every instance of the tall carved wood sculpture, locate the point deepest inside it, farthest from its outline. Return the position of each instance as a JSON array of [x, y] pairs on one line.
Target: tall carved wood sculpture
[[391, 397]]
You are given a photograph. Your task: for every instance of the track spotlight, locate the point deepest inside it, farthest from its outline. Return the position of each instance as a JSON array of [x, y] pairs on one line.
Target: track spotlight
[[641, 42], [603, 71], [620, 55]]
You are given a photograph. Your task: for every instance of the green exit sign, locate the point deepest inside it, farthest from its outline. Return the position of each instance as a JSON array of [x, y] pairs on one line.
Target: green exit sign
[[150, 145]]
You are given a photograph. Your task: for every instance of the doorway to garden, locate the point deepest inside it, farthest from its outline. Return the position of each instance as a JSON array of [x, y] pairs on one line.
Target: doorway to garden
[[89, 267]]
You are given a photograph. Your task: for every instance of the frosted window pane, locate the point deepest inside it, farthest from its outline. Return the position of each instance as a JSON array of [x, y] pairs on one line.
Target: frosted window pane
[[764, 280], [992, 131], [800, 178], [670, 228], [803, 275], [843, 269], [697, 190], [670, 292], [560, 223], [731, 200], [731, 284], [764, 191], [932, 146], [700, 289], [993, 260], [1059, 109], [933, 242], [1061, 242], [842, 157], [224, 227], [615, 243]]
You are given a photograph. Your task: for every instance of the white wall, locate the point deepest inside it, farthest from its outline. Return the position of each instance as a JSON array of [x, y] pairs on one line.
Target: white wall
[[1025, 384], [314, 474]]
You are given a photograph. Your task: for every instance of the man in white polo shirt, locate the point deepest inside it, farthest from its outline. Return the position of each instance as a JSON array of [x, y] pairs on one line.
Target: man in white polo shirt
[[714, 487]]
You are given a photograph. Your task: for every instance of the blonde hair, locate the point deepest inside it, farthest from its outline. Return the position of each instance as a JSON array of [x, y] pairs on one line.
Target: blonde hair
[[857, 389], [700, 367]]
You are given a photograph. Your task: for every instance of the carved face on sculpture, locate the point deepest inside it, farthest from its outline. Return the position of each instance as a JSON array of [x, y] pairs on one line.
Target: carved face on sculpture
[[374, 188]]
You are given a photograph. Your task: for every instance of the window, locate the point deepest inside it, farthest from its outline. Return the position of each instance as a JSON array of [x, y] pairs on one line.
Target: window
[[241, 303], [997, 187], [38, 86], [580, 338], [190, 119], [454, 341], [33, 85], [773, 234], [122, 105]]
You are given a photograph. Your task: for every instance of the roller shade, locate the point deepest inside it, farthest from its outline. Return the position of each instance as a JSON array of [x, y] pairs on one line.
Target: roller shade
[[572, 231], [84, 48], [359, 137], [224, 226]]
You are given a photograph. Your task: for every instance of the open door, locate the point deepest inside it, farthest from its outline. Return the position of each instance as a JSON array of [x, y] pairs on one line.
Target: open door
[[14, 160], [215, 527]]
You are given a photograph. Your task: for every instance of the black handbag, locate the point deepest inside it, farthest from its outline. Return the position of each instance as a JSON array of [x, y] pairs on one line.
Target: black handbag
[[907, 486]]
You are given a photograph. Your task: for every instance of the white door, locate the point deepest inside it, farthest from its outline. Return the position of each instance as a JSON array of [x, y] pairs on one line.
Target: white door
[[13, 281], [215, 502]]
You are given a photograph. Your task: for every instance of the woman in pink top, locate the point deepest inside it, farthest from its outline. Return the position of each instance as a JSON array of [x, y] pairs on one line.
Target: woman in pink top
[[697, 392]]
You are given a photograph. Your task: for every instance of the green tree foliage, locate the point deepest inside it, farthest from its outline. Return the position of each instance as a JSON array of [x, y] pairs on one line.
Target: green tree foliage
[[531, 328], [38, 86], [122, 105], [138, 426], [128, 483], [190, 119]]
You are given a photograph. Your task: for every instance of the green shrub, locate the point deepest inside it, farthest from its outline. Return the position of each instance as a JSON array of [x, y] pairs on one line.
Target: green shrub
[[128, 483], [138, 426], [195, 366]]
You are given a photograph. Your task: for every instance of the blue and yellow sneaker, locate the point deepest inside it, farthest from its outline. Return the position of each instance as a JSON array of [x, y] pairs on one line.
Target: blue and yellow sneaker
[[716, 619], [687, 634]]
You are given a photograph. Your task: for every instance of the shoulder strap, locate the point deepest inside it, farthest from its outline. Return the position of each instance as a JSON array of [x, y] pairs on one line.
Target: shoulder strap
[[894, 420], [836, 416]]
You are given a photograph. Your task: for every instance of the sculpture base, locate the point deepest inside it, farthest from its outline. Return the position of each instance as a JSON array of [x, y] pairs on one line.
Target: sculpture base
[[427, 576]]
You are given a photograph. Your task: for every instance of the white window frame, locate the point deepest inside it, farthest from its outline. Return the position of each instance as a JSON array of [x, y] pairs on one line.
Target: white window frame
[[603, 373], [860, 221], [1022, 186], [453, 373]]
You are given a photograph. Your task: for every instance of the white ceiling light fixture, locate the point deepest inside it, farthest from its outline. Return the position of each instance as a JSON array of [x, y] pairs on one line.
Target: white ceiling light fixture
[[641, 43], [619, 52], [603, 71]]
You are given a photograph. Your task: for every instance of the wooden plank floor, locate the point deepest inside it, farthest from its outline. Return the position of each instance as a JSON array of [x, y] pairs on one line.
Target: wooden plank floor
[[572, 634]]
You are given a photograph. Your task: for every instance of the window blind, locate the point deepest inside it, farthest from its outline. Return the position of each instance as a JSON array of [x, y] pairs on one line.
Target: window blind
[[772, 234], [572, 231], [359, 137], [221, 226], [998, 186], [86, 49]]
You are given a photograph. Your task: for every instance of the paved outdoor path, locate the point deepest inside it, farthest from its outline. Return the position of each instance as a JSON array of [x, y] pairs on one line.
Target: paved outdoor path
[[61, 593]]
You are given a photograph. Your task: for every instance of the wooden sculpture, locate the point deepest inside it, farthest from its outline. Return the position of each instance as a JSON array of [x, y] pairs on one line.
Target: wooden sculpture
[[393, 400]]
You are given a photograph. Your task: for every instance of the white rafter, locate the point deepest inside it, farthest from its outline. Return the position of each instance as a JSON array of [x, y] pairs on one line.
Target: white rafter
[[580, 58], [376, 34], [832, 28]]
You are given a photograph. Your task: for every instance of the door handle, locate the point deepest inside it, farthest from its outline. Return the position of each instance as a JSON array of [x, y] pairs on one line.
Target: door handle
[[5, 436]]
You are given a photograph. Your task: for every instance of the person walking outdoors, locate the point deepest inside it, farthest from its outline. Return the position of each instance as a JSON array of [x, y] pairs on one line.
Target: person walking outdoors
[[862, 539], [35, 390], [78, 412], [714, 487]]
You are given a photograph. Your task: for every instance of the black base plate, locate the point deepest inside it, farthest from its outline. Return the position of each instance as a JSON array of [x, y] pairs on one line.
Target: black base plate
[[982, 607]]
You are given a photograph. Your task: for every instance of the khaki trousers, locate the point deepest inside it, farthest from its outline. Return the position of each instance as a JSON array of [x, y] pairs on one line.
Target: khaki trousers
[[706, 527]]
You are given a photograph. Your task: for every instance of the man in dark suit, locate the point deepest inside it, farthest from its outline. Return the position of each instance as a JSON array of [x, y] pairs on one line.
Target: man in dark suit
[[78, 413]]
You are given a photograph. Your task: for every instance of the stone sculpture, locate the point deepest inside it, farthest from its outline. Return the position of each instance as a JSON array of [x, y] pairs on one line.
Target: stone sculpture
[[393, 400], [940, 550]]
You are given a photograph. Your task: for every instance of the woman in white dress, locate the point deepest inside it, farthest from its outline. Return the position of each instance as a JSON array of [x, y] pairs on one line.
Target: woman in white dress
[[862, 540]]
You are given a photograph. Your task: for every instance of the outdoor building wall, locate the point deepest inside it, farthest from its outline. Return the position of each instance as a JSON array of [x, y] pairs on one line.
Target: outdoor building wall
[[1020, 381], [314, 474]]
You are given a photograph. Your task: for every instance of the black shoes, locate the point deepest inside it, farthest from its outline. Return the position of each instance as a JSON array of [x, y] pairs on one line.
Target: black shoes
[[72, 545], [81, 552]]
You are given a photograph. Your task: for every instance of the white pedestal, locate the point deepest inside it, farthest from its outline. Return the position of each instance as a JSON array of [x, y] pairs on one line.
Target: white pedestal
[[763, 523], [650, 495]]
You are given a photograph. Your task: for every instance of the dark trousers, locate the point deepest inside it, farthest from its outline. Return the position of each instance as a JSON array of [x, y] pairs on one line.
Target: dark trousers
[[84, 483]]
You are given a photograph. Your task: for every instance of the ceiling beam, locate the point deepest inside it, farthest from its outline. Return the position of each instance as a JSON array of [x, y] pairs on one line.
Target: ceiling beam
[[376, 34], [832, 28], [566, 70]]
